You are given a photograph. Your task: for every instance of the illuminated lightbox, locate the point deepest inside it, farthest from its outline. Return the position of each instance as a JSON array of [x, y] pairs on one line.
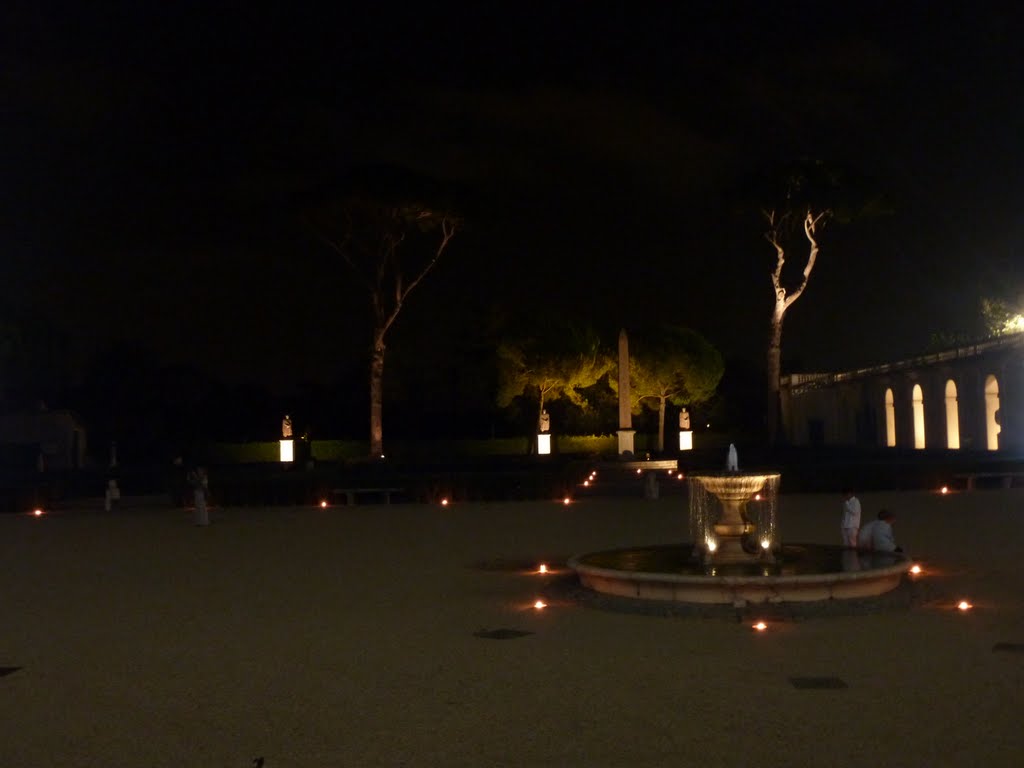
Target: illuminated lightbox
[[686, 440], [544, 443], [287, 451]]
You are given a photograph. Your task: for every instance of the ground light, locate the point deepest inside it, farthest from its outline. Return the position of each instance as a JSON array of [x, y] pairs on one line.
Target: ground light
[[944, 490], [915, 569], [963, 605], [444, 502], [566, 501], [543, 568], [323, 504], [760, 626], [539, 605], [37, 512]]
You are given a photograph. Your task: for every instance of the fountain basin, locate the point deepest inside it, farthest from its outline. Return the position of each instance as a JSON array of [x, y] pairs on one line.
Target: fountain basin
[[797, 573]]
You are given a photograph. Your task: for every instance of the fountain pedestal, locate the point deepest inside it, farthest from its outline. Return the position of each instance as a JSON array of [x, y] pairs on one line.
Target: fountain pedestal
[[733, 490]]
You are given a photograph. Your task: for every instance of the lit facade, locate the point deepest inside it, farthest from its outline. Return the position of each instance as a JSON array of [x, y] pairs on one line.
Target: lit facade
[[970, 398]]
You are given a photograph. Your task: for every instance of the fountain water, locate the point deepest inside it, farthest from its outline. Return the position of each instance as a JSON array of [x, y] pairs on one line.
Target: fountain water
[[736, 555]]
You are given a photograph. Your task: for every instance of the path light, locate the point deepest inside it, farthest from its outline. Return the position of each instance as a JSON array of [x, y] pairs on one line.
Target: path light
[[679, 476], [915, 569], [712, 546], [323, 504], [586, 483], [963, 605], [543, 568], [566, 501], [444, 502], [944, 490], [639, 471], [540, 605], [760, 626], [37, 512], [757, 497], [766, 544]]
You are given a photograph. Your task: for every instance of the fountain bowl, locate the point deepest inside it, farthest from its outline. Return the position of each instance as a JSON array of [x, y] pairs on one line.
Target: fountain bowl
[[799, 573]]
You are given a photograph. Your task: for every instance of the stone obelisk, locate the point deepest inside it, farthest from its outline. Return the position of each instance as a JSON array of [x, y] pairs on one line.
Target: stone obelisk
[[626, 430]]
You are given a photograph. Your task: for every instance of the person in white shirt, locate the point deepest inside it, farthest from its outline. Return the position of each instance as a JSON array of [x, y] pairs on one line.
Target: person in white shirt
[[850, 521], [877, 535]]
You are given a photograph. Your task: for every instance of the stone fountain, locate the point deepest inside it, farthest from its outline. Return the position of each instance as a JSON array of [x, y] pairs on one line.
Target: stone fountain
[[735, 555], [733, 535]]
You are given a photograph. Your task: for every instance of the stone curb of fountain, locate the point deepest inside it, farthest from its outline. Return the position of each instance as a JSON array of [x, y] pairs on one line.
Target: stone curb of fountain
[[911, 594]]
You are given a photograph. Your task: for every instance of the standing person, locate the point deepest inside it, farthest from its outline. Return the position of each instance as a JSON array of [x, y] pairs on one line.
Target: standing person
[[850, 521], [199, 483]]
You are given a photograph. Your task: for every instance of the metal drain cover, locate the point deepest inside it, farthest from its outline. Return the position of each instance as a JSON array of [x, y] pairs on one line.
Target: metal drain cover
[[1009, 647], [501, 634], [819, 683]]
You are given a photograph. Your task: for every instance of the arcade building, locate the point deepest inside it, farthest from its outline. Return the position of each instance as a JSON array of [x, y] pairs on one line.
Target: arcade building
[[968, 399]]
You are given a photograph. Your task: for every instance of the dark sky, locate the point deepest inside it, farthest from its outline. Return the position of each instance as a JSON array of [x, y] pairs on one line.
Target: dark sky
[[154, 161]]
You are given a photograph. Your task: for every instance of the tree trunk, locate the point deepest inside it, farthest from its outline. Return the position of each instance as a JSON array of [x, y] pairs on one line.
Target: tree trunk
[[775, 370], [377, 396], [661, 425]]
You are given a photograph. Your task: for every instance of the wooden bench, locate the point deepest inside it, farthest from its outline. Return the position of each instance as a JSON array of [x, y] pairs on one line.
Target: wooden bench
[[351, 493], [1006, 478]]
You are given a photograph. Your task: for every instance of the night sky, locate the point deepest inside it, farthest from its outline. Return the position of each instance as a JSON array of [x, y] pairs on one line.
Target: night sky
[[156, 161]]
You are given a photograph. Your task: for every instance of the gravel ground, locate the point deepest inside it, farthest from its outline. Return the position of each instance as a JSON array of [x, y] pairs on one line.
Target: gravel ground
[[404, 635]]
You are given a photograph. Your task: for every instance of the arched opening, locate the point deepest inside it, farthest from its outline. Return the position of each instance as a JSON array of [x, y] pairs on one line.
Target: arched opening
[[918, 400], [890, 419], [952, 417], [992, 427]]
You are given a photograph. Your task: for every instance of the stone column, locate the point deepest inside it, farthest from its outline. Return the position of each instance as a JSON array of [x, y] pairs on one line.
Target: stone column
[[626, 431]]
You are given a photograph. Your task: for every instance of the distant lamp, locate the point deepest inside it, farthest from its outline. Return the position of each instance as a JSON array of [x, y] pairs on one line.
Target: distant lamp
[[287, 451], [323, 505], [685, 440], [963, 605], [544, 443], [37, 512]]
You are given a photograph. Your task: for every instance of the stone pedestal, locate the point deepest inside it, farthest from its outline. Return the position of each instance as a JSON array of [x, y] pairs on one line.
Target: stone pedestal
[[287, 451], [626, 442], [685, 440], [544, 443]]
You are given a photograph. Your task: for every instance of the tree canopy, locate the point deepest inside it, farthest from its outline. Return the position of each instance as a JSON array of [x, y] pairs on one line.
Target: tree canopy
[[559, 365], [672, 365]]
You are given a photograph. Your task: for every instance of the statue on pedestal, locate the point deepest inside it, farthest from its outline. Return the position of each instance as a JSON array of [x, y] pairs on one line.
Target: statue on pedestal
[[684, 419], [286, 427], [545, 422]]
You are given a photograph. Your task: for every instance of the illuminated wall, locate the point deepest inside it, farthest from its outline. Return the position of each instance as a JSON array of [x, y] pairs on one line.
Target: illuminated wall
[[918, 406], [952, 417], [992, 427], [890, 419]]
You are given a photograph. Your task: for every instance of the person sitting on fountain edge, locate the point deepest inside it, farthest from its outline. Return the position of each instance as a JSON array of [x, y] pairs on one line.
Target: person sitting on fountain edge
[[850, 521], [877, 535]]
